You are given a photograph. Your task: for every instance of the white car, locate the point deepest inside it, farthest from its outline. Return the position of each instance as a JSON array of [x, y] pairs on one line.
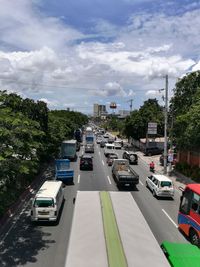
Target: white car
[[160, 185]]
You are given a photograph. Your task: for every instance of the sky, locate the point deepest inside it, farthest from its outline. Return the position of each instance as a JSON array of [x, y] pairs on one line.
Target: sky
[[74, 53]]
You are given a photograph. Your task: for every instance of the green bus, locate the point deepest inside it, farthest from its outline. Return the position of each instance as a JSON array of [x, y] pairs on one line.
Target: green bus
[[181, 255]]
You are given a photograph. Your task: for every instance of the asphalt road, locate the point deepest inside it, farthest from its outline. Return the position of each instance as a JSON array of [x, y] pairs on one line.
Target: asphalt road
[[44, 245]]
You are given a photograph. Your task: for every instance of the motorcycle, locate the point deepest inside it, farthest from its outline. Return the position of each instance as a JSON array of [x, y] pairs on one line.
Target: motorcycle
[[152, 169]]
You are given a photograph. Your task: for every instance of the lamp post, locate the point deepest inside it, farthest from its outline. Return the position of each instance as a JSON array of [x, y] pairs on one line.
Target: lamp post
[[165, 129]]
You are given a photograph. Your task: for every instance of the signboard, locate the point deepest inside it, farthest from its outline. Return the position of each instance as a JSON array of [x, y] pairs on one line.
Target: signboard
[[152, 128], [170, 157]]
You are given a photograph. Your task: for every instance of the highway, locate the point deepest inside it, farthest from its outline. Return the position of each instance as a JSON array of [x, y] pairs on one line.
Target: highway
[[44, 245]]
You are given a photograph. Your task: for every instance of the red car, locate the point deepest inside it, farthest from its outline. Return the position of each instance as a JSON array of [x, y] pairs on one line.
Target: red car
[[111, 158]]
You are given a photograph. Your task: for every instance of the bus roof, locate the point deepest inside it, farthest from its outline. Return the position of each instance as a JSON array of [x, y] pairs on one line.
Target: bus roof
[[49, 189], [93, 242], [194, 187]]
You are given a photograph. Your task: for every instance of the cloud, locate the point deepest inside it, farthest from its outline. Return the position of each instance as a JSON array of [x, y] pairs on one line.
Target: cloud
[[110, 89], [50, 103], [41, 54], [152, 93], [24, 27]]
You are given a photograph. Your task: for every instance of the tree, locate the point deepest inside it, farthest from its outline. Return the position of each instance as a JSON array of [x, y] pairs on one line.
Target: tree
[[136, 124]]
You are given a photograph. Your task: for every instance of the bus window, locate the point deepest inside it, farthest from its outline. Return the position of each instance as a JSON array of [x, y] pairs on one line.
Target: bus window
[[185, 202]]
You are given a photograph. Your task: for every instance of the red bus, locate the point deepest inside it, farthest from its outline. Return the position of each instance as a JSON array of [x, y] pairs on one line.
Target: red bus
[[189, 213]]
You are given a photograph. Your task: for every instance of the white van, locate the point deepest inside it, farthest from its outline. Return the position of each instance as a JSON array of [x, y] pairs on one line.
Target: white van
[[160, 185], [47, 202], [109, 149]]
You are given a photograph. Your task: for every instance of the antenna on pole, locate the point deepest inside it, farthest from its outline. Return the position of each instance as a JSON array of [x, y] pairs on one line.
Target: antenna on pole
[[131, 104]]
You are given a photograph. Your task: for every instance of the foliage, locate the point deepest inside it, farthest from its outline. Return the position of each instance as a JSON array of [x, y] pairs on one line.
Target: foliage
[[30, 134], [137, 123], [189, 171], [185, 107]]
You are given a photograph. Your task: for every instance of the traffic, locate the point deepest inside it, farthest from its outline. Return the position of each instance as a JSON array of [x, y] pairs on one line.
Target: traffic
[[110, 168]]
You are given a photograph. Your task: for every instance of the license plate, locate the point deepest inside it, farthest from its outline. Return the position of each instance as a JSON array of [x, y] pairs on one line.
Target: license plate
[[127, 184]]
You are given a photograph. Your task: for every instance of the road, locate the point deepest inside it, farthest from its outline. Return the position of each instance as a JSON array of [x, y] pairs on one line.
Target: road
[[44, 245]]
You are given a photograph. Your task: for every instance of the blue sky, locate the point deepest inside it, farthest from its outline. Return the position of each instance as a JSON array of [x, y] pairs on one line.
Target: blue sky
[[74, 53]]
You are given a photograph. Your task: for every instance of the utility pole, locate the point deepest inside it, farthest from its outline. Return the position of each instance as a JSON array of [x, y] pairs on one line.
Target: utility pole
[[165, 130]]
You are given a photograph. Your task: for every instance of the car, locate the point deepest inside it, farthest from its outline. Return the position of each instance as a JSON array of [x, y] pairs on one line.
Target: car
[[160, 185], [118, 144], [89, 148], [86, 162], [111, 140], [111, 158], [102, 143], [131, 157], [109, 149], [106, 135], [149, 151], [98, 140]]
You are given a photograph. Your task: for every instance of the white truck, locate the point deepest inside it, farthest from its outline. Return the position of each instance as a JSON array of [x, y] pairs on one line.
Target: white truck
[[123, 174], [109, 230]]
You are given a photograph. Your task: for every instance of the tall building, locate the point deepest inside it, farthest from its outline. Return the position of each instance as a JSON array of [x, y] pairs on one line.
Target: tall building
[[96, 110], [99, 110]]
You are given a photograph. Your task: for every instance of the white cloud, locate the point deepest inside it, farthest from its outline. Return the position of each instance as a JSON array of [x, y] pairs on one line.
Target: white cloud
[[152, 93], [110, 89], [42, 55], [24, 27], [50, 103]]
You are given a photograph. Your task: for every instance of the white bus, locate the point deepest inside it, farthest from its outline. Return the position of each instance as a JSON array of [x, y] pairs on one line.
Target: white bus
[[108, 229], [47, 202]]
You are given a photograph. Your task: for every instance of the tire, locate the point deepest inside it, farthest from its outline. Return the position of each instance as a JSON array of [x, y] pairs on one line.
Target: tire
[[194, 238], [154, 193], [147, 185]]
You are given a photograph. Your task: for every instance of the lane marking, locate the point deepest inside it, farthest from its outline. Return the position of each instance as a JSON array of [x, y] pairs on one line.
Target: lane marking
[[103, 162], [109, 180], [170, 218], [78, 178], [99, 153], [141, 182]]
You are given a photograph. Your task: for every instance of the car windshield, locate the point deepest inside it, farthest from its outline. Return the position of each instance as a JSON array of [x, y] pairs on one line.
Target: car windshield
[[43, 202], [165, 183]]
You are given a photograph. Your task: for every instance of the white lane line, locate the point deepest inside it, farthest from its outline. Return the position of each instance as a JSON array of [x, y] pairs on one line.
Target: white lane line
[[78, 178], [109, 179], [141, 182], [99, 153], [103, 163], [170, 218]]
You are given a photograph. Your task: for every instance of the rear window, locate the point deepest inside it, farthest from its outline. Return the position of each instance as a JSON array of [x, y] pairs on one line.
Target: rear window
[[43, 202], [165, 183]]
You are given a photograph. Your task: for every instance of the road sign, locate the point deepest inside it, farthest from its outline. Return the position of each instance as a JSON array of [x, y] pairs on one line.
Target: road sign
[[152, 128]]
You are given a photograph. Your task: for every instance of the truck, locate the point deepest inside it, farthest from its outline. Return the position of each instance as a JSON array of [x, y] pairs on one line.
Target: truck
[[68, 149], [78, 135], [113, 233], [63, 172], [89, 139], [123, 174]]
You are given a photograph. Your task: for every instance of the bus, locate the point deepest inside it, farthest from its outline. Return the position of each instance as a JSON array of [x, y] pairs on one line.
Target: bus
[[108, 229], [47, 202], [189, 213]]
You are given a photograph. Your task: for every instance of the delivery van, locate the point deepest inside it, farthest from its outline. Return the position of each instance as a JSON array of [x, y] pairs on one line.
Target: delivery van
[[47, 202]]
